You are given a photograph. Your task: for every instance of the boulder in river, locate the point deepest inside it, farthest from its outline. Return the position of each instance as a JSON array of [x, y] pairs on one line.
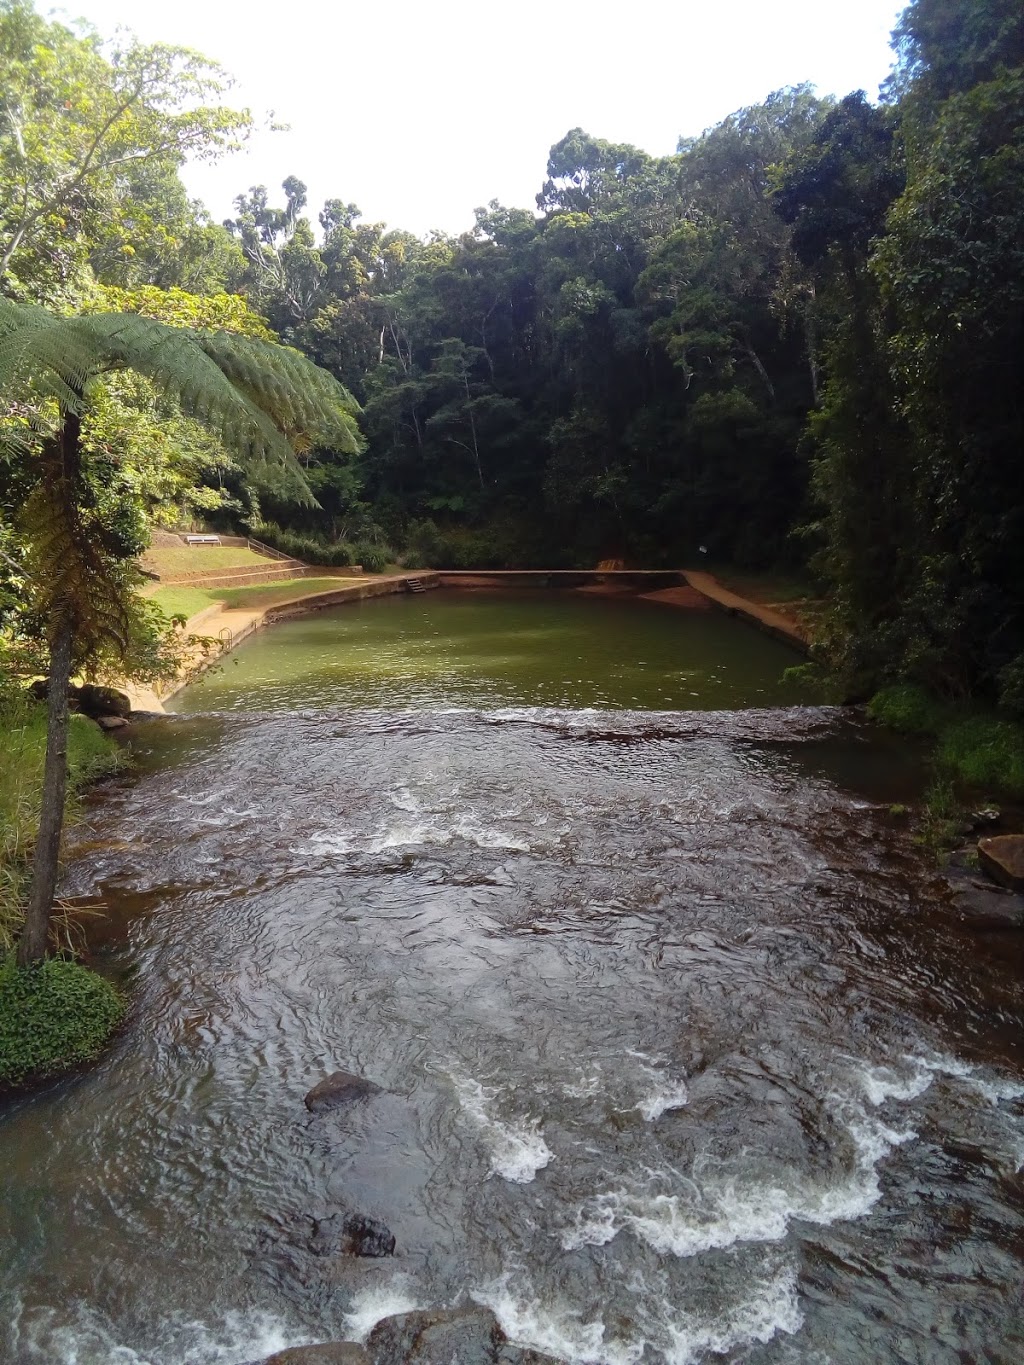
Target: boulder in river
[[329, 1353], [1002, 857], [90, 699], [472, 1336], [97, 701], [352, 1234], [340, 1087], [469, 1336]]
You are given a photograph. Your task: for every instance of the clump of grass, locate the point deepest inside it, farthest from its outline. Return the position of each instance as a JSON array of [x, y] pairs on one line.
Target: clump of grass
[[981, 749], [91, 754], [942, 817], [909, 710], [54, 1015], [985, 752]]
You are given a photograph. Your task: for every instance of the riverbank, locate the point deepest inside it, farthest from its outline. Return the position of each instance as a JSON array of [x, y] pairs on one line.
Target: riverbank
[[57, 1014], [91, 755]]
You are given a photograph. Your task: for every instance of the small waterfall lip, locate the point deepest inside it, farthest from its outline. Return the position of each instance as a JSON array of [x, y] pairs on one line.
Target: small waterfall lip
[[776, 722]]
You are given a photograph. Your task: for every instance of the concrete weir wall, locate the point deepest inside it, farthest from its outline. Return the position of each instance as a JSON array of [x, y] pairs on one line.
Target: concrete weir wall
[[629, 580]]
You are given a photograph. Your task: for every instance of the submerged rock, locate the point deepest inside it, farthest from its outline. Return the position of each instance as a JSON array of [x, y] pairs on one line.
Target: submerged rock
[[352, 1234], [1002, 857], [340, 1087]]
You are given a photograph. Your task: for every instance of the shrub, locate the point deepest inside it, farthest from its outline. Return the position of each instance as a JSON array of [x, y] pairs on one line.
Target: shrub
[[305, 547], [985, 752], [53, 1015], [373, 558], [908, 709]]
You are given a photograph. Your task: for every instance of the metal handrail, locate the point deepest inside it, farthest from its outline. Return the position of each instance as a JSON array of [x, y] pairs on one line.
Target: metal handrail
[[258, 546]]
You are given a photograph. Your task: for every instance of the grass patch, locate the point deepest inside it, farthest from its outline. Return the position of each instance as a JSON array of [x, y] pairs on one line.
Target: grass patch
[[22, 751], [273, 594], [908, 710], [188, 602], [984, 752], [183, 601], [163, 559], [978, 748], [53, 1015]]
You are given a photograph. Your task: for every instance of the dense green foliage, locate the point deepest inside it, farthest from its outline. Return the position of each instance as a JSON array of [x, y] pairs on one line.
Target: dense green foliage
[[979, 748], [794, 341], [53, 1016]]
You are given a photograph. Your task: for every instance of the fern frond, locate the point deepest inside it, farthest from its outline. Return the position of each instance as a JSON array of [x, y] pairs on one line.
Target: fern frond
[[262, 400]]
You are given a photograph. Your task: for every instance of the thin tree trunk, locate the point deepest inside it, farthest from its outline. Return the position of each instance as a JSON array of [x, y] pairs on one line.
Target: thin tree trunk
[[34, 936]]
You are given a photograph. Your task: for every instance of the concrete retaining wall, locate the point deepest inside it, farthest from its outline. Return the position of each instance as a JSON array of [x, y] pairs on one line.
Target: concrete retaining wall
[[639, 580]]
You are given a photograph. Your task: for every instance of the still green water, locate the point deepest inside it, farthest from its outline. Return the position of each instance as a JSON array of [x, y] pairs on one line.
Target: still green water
[[491, 650]]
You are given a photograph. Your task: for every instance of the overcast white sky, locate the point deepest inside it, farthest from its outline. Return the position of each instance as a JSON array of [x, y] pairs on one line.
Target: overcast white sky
[[419, 112]]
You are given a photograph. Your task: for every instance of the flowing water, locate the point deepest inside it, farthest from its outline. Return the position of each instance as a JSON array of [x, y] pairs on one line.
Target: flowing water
[[685, 1056]]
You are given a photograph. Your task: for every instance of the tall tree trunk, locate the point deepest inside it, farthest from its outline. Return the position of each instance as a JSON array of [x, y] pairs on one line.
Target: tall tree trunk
[[32, 945], [61, 469]]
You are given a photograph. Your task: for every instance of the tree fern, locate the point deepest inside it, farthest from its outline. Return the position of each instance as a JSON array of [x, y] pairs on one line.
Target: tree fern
[[264, 402]]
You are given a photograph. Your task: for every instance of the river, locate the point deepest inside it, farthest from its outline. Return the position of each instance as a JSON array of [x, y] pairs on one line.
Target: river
[[685, 1056]]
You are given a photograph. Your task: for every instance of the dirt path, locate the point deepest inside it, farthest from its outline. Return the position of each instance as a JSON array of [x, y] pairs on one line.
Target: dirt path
[[782, 627]]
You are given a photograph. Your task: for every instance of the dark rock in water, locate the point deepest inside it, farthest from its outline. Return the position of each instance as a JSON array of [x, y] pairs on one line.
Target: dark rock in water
[[90, 699], [983, 905], [469, 1336], [1002, 857], [103, 701], [352, 1234], [330, 1353], [339, 1088]]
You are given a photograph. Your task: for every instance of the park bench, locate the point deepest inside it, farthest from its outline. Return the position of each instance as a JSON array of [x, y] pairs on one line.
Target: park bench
[[202, 540]]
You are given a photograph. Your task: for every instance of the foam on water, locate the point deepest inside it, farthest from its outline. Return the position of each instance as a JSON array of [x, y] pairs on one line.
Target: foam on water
[[411, 834], [379, 1301], [994, 1088], [554, 1327], [681, 1337], [714, 1212], [881, 1083], [85, 1337], [517, 1150], [666, 1093]]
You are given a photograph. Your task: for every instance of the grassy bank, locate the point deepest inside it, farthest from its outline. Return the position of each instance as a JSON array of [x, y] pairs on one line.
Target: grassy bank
[[184, 601], [56, 1014], [22, 750], [980, 749]]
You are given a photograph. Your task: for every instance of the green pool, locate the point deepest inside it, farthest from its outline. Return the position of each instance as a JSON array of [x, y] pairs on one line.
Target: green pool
[[491, 650]]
